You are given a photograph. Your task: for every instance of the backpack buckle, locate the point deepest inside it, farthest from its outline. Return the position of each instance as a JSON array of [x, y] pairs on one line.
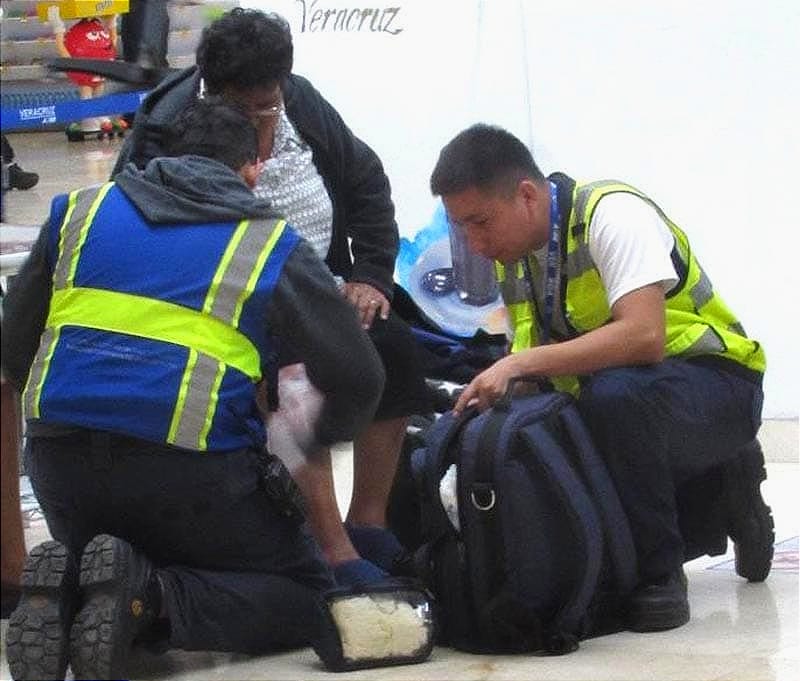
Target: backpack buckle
[[482, 497]]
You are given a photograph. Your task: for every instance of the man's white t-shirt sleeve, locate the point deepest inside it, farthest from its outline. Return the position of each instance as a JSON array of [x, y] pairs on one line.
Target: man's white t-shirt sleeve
[[630, 245]]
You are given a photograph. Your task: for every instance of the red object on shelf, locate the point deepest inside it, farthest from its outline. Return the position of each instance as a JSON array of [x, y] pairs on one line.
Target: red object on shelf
[[89, 39]]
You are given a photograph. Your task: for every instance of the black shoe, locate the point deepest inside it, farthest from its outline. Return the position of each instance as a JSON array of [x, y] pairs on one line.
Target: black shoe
[[37, 641], [380, 546], [20, 179], [659, 606], [750, 523], [118, 605]]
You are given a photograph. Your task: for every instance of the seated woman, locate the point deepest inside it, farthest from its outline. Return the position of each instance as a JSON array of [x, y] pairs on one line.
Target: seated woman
[[332, 189]]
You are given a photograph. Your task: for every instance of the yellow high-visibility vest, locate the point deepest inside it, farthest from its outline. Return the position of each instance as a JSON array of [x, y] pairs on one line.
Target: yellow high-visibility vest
[[698, 322]]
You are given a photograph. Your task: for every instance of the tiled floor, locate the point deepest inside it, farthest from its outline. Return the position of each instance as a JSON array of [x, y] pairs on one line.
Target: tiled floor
[[61, 165], [738, 631]]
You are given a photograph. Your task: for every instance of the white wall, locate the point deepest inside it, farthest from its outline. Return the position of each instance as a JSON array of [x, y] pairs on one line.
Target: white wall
[[695, 102]]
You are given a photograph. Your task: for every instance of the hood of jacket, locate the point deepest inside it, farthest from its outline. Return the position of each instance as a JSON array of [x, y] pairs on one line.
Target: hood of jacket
[[192, 190]]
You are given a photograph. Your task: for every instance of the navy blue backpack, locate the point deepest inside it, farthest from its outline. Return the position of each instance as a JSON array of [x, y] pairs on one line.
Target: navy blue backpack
[[543, 557]]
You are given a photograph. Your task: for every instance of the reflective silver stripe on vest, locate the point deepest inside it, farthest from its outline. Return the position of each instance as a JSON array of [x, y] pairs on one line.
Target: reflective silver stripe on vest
[[79, 205], [192, 420], [240, 269], [579, 261], [77, 214], [195, 409], [707, 344], [514, 288], [702, 292], [584, 193], [30, 402]]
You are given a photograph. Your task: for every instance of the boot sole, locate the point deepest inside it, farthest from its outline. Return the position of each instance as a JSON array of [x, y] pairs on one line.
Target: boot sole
[[38, 631], [755, 562], [99, 642], [753, 558]]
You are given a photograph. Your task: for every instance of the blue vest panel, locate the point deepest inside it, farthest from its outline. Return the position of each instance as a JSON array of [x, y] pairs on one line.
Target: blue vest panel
[[167, 334]]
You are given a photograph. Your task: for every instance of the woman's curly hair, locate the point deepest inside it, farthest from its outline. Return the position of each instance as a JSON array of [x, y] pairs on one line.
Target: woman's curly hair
[[245, 48]]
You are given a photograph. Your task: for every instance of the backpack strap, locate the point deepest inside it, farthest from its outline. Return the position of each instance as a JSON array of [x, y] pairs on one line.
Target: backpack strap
[[583, 516], [492, 434], [616, 531], [476, 490], [428, 465]]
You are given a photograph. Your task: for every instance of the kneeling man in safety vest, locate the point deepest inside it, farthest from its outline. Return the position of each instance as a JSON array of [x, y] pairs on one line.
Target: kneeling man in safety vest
[[607, 299], [141, 326]]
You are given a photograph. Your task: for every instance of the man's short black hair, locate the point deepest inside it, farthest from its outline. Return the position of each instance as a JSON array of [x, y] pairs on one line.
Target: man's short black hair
[[485, 157], [245, 48], [214, 128]]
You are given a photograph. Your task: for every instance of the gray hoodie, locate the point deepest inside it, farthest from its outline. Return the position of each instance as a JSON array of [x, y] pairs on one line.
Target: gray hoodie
[[190, 190]]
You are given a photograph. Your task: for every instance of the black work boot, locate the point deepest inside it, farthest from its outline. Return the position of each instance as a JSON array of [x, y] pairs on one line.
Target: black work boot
[[750, 523], [119, 603], [659, 606], [21, 179], [37, 640]]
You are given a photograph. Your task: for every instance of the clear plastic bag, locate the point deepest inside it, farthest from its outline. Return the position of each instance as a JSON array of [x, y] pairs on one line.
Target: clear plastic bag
[[376, 625], [291, 429]]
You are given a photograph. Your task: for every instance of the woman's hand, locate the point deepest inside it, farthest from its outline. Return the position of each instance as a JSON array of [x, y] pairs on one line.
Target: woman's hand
[[368, 302]]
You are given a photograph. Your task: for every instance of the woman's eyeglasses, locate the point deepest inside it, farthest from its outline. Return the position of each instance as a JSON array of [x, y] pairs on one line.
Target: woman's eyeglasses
[[266, 112]]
